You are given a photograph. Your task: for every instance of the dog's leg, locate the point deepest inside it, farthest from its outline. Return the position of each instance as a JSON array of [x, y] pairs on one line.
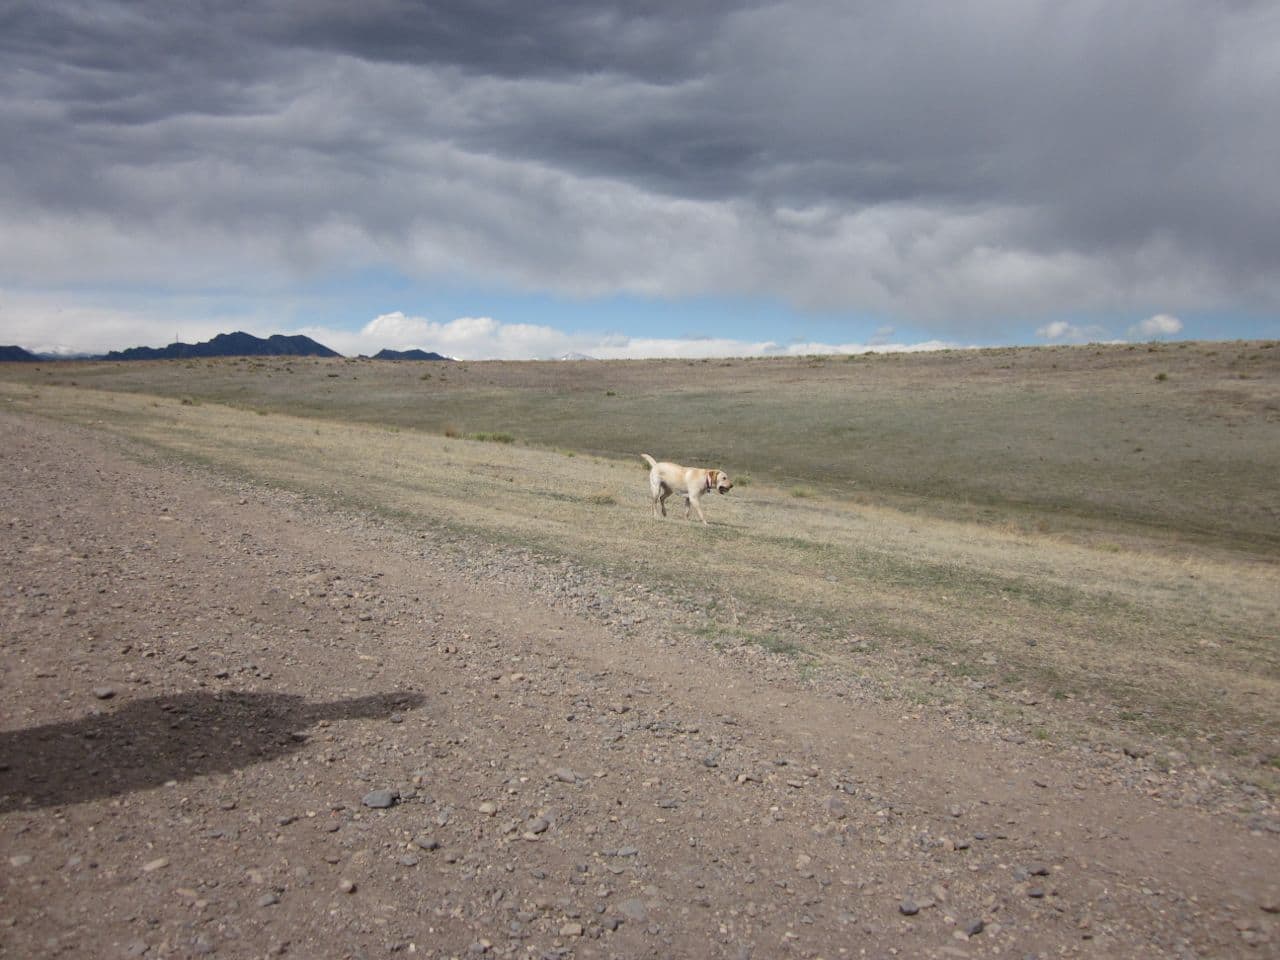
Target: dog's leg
[[660, 491], [692, 500]]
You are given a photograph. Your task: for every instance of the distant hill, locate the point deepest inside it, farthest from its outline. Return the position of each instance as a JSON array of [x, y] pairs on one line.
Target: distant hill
[[408, 355], [229, 345], [237, 344]]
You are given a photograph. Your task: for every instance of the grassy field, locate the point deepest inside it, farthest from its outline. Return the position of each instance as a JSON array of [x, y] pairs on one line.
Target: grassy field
[[1080, 541]]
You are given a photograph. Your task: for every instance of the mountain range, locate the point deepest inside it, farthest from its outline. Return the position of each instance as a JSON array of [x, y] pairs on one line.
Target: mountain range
[[229, 345], [13, 354], [238, 344], [409, 355]]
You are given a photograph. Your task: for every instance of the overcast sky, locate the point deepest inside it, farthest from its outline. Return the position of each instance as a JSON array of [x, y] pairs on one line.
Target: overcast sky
[[519, 179]]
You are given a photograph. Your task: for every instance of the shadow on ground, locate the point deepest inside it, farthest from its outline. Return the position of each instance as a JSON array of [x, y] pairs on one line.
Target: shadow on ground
[[146, 743]]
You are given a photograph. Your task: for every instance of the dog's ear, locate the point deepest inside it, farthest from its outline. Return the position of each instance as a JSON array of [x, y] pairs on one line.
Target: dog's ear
[[711, 479]]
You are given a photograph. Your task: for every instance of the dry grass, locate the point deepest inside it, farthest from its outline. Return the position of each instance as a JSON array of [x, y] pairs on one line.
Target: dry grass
[[1130, 600], [1071, 438]]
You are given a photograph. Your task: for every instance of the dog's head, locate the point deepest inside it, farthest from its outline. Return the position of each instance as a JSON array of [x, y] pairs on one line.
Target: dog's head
[[719, 481]]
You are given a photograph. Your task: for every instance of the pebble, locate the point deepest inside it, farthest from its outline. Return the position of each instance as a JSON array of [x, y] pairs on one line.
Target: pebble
[[424, 842], [104, 693], [380, 799], [153, 865], [488, 808], [346, 886], [908, 907], [634, 910], [974, 927], [267, 900]]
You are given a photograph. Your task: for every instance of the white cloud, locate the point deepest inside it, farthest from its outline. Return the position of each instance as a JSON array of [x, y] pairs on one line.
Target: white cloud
[[483, 338], [58, 324], [48, 323], [1161, 325], [1060, 331]]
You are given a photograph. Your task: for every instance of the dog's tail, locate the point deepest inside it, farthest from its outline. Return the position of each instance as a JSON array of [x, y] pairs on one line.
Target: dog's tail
[[652, 462]]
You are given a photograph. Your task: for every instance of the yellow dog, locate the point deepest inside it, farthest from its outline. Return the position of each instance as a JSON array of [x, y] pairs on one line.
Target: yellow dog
[[691, 482]]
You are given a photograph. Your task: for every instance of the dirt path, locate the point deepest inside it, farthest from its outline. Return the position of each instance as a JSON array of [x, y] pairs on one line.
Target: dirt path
[[205, 686]]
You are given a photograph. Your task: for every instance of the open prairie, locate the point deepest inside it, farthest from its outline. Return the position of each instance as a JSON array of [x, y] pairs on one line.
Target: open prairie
[[1015, 606], [1095, 529], [1176, 439]]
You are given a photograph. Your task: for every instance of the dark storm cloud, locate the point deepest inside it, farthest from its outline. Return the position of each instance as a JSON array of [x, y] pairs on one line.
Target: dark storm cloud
[[655, 42], [934, 160]]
